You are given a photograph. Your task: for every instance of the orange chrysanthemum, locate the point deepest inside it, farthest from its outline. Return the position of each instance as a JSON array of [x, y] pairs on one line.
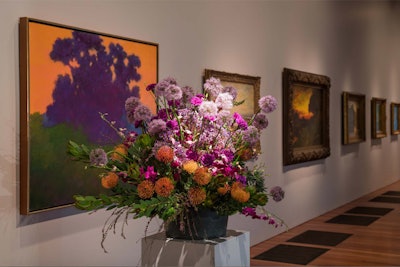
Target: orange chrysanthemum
[[202, 176], [165, 154], [164, 187], [239, 194], [145, 189], [110, 180], [119, 152], [190, 166], [223, 189], [196, 195]]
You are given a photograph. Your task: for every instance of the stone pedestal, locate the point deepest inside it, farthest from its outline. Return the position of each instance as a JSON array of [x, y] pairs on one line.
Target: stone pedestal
[[232, 250]]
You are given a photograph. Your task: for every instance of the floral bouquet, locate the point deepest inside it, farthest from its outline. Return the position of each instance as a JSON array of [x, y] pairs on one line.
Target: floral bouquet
[[192, 154]]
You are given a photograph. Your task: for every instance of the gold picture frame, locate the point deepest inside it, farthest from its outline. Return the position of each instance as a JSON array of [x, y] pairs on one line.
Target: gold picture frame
[[395, 118], [305, 116], [378, 118], [353, 118]]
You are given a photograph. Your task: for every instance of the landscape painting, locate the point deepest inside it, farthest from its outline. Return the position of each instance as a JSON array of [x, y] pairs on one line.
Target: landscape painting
[[68, 77]]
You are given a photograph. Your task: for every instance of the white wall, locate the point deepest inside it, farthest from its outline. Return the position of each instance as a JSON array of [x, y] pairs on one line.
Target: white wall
[[355, 43]]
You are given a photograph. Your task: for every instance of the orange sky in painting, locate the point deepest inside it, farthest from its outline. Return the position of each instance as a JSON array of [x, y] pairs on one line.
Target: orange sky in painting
[[43, 71]]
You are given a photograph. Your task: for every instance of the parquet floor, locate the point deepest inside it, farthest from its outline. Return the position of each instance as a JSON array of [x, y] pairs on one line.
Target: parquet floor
[[377, 244]]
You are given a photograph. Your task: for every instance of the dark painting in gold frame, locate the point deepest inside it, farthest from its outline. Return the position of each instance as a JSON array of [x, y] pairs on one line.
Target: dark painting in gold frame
[[394, 118], [378, 118], [305, 116], [353, 118]]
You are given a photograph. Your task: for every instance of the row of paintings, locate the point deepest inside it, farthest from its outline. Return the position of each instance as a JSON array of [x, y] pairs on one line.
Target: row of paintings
[[68, 75], [354, 117]]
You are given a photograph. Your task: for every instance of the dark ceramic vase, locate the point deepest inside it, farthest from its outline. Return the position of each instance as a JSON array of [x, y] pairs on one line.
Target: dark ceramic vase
[[198, 225]]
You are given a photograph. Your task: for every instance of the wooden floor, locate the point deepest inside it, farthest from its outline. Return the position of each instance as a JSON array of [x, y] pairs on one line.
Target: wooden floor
[[377, 244]]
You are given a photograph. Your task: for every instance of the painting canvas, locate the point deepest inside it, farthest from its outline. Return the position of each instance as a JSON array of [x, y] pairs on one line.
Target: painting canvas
[[378, 117], [305, 116], [68, 76], [395, 118], [353, 118]]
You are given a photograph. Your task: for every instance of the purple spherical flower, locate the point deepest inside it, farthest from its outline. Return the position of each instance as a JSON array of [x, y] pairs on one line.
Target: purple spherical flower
[[207, 159], [173, 92], [251, 135], [231, 90], [142, 113], [268, 103], [213, 87], [260, 121], [161, 87], [131, 103], [98, 157], [156, 126], [277, 193]]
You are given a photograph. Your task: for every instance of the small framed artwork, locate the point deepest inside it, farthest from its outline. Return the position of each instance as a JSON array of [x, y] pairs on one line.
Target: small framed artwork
[[68, 76], [394, 118], [305, 116], [353, 118], [378, 117], [248, 89]]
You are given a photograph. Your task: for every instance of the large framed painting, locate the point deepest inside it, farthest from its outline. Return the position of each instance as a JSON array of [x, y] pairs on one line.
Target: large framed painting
[[305, 116], [378, 117], [68, 76], [394, 118], [353, 118], [248, 89]]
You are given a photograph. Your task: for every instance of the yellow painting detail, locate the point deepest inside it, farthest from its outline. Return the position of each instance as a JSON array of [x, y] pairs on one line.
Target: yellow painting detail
[[301, 102]]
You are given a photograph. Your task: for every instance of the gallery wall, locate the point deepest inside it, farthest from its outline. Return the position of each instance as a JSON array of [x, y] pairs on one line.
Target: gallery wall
[[355, 43]]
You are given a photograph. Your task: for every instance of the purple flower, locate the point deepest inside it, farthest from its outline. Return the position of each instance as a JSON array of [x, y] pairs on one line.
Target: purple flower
[[156, 126], [231, 90], [260, 121], [240, 121], [207, 159], [251, 135], [98, 157], [161, 87], [149, 174], [131, 103], [213, 87], [268, 103], [172, 124], [224, 101], [142, 113], [130, 139], [187, 93], [277, 193], [151, 87], [196, 101], [173, 92]]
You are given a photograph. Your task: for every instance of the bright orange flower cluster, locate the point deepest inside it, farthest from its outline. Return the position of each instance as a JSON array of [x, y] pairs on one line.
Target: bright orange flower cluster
[[202, 176], [165, 154], [190, 166], [145, 189], [164, 187], [196, 195], [238, 193], [223, 189], [110, 180], [119, 152]]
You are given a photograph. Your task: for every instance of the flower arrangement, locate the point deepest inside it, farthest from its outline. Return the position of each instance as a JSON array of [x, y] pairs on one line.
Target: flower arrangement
[[191, 154]]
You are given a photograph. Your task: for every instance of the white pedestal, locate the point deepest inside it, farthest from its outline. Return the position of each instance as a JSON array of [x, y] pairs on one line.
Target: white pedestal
[[233, 250]]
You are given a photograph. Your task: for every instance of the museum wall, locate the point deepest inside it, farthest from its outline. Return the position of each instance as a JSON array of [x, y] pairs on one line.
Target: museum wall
[[355, 43]]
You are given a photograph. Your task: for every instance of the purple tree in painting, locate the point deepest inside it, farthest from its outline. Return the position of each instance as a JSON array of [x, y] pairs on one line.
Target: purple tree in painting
[[99, 82]]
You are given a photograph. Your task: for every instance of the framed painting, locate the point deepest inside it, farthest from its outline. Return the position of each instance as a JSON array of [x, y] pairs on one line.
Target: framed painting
[[394, 118], [68, 76], [378, 117], [305, 116], [353, 118], [248, 89]]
